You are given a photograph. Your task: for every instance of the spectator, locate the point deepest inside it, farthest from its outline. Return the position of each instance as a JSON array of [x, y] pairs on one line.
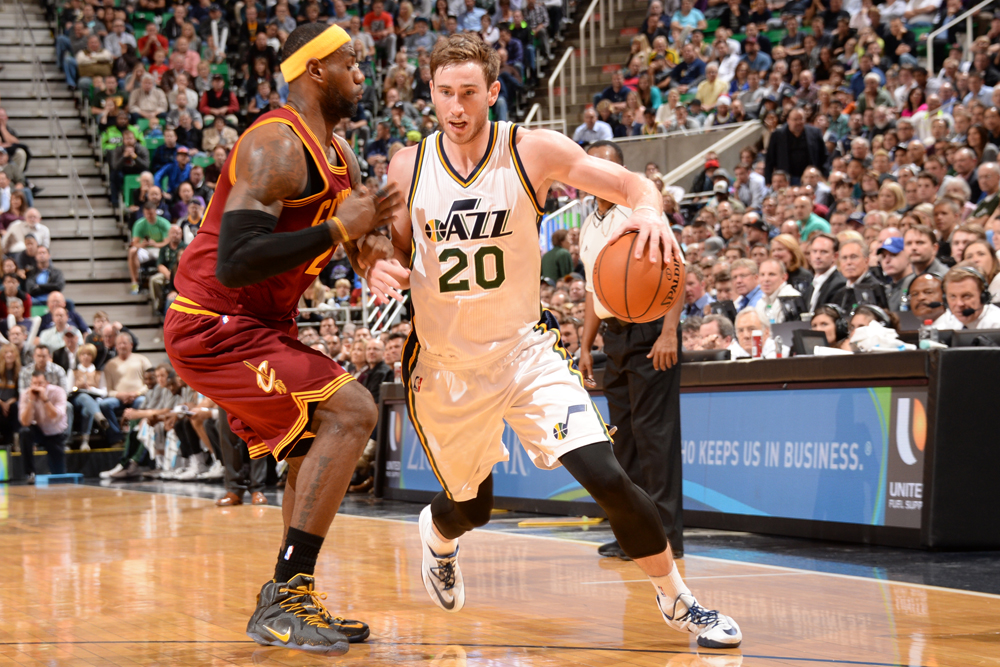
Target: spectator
[[149, 234], [43, 421], [13, 237], [895, 263], [10, 369], [696, 298], [922, 247], [716, 333], [795, 146], [808, 222], [748, 324], [53, 337], [833, 323], [557, 263], [378, 23], [161, 285], [786, 249], [148, 101], [592, 129], [123, 375], [58, 300], [689, 73], [779, 302], [963, 289], [45, 278], [744, 273], [128, 159], [119, 38], [92, 61], [827, 280], [853, 266], [219, 101], [175, 173]]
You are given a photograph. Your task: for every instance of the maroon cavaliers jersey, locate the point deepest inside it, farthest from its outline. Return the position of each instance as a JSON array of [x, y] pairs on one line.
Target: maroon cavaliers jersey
[[277, 297]]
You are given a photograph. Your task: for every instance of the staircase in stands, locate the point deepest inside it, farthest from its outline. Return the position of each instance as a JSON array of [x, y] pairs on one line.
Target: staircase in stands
[[108, 288], [609, 57]]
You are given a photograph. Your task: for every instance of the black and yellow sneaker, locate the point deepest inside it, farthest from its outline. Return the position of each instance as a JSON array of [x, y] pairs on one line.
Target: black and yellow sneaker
[[292, 615]]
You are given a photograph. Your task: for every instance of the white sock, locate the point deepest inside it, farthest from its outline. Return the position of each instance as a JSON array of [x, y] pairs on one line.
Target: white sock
[[439, 545], [670, 586]]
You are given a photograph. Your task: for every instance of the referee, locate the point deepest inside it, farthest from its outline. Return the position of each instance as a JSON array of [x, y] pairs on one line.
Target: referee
[[642, 379]]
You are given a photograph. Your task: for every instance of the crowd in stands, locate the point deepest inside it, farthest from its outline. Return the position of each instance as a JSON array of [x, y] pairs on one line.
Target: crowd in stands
[[171, 85], [873, 194]]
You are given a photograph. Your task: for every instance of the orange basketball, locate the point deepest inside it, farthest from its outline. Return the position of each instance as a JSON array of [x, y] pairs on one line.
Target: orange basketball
[[636, 290]]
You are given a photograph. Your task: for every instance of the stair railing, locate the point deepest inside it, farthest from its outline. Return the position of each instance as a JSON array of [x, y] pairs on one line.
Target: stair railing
[[598, 19], [58, 140]]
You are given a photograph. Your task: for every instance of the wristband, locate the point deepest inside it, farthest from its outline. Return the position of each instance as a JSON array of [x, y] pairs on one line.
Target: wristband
[[646, 207], [343, 230]]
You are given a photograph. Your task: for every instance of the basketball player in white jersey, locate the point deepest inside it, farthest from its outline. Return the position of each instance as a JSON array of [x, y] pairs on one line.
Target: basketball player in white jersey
[[482, 352]]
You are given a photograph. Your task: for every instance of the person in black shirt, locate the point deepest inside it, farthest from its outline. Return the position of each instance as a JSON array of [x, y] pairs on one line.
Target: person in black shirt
[[900, 45], [834, 14]]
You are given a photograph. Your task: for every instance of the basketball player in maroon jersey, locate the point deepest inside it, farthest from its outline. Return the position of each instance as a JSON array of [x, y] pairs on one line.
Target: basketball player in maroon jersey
[[287, 195]]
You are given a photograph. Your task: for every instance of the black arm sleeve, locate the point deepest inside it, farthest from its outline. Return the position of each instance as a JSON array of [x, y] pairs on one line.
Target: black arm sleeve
[[250, 253]]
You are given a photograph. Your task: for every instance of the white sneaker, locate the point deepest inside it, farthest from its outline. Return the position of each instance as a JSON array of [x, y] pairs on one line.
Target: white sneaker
[[217, 471], [441, 574], [713, 629], [191, 472], [108, 473]]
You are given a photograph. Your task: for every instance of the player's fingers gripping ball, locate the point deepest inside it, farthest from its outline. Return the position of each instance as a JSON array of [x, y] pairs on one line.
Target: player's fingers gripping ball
[[636, 290]]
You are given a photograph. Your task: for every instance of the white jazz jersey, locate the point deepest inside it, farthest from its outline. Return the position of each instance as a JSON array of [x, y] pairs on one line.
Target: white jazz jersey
[[475, 261]]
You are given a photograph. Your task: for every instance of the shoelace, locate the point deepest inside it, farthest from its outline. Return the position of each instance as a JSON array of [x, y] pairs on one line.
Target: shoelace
[[445, 572], [698, 615], [311, 610]]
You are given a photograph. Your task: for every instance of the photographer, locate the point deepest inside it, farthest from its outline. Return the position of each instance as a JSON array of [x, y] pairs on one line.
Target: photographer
[[43, 420]]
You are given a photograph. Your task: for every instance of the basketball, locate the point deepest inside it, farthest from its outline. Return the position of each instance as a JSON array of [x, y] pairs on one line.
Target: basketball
[[636, 290]]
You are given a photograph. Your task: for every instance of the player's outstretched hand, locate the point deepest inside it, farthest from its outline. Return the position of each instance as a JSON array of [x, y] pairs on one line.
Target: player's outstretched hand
[[387, 279], [652, 231]]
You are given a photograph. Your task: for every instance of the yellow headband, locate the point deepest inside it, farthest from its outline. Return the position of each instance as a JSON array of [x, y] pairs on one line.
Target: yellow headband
[[319, 47]]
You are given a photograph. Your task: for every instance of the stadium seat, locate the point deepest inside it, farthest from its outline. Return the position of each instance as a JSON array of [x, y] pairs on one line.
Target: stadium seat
[[221, 68], [130, 186], [201, 160]]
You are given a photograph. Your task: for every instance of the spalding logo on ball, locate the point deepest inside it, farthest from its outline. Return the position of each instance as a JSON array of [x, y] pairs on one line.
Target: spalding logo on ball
[[636, 290]]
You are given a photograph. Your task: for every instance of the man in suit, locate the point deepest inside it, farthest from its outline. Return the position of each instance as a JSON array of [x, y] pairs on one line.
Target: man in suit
[[827, 280], [794, 147], [853, 266], [65, 356]]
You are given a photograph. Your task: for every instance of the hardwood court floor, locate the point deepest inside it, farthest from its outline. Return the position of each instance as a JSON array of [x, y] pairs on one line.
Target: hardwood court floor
[[95, 576]]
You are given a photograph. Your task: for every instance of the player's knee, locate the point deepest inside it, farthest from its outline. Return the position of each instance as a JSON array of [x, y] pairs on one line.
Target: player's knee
[[353, 409], [478, 512]]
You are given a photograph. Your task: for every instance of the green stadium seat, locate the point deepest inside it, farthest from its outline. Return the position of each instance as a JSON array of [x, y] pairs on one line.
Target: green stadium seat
[[220, 68], [152, 143], [201, 160], [687, 97], [130, 186], [142, 124], [712, 26]]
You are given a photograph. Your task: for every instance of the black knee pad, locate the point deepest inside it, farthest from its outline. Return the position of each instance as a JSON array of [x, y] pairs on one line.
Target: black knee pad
[[632, 515]]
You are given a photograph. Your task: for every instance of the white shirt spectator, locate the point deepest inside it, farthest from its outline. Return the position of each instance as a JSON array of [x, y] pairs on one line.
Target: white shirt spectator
[[585, 135], [928, 7], [13, 239], [988, 319], [818, 282], [769, 307]]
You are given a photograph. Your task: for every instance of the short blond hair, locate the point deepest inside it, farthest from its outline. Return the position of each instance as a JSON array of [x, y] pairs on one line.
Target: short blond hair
[[466, 47]]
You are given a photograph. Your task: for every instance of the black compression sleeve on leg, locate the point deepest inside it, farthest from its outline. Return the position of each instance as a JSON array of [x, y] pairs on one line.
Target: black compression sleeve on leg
[[250, 253], [455, 519], [633, 516]]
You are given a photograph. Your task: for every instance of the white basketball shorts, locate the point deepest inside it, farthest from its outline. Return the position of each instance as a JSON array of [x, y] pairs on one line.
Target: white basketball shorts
[[459, 414]]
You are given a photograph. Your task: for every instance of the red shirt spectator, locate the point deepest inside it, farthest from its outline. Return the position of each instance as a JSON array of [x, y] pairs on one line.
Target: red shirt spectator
[[152, 41]]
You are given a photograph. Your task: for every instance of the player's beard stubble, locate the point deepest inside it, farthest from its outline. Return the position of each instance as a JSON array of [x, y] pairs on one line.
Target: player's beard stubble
[[335, 105]]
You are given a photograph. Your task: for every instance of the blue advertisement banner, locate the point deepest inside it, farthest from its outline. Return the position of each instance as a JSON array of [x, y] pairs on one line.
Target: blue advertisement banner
[[851, 455]]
